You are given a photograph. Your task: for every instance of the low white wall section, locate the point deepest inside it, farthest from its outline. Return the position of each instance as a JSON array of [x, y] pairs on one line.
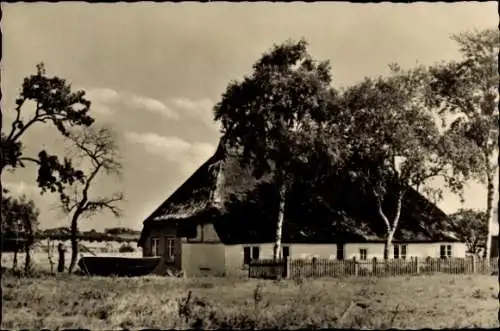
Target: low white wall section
[[202, 259]]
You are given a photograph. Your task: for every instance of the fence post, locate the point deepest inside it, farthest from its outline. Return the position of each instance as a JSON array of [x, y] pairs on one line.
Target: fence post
[[356, 267], [473, 262], [417, 265], [287, 267], [314, 267], [374, 266], [487, 265]]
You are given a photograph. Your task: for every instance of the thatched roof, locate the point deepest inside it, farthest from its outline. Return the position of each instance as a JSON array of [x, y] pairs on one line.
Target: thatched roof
[[206, 190], [244, 210]]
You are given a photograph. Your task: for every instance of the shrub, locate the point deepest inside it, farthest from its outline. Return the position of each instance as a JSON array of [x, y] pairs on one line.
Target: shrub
[[126, 249]]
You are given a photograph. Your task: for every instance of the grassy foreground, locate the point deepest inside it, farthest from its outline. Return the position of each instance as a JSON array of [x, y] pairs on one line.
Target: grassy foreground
[[58, 302]]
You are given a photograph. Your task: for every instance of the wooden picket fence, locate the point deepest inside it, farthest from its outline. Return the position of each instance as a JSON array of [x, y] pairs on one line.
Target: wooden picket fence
[[296, 268]]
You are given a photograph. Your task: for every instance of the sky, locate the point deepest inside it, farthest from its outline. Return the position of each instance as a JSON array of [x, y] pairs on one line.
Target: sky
[[153, 71]]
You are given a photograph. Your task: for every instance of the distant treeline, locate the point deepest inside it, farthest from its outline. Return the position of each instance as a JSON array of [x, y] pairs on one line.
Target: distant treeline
[[112, 234]]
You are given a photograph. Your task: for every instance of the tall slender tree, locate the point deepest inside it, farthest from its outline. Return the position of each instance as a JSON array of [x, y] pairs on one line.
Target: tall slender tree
[[467, 92], [274, 117], [394, 142]]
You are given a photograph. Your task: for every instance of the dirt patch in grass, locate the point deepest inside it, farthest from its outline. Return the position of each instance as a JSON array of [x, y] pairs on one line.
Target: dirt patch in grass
[[58, 302]]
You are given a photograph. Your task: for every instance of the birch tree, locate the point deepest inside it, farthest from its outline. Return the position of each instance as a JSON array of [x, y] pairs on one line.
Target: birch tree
[[275, 115], [466, 92], [394, 142]]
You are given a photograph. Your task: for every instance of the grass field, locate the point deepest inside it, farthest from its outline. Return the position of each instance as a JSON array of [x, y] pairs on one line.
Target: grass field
[[57, 302]]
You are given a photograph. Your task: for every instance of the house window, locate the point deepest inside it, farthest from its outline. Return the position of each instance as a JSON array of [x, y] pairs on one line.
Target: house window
[[445, 251], [255, 252], [340, 251], [363, 253], [285, 252], [250, 253], [155, 246], [246, 255], [170, 248], [400, 251]]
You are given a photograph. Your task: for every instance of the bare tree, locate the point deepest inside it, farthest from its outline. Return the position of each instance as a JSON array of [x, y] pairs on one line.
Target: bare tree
[[96, 149]]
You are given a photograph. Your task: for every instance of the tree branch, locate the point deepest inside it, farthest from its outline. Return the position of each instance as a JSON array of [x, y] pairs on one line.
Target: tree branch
[[25, 158], [380, 210], [93, 155], [20, 103], [89, 181], [105, 203], [99, 147], [69, 203], [433, 173], [398, 209], [36, 118]]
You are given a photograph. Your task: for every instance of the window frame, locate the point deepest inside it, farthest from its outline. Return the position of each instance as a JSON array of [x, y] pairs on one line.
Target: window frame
[[402, 251], [170, 248], [155, 246], [247, 255], [340, 248], [251, 256], [445, 251], [365, 251], [282, 255]]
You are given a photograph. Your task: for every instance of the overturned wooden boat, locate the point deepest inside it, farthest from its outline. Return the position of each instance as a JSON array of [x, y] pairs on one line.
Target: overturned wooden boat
[[118, 266]]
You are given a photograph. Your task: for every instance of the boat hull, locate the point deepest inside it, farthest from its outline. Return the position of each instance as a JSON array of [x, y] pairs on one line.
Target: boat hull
[[117, 266]]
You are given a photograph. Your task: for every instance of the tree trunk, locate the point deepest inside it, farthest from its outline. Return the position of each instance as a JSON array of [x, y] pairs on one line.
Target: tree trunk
[[388, 243], [74, 244], [391, 229], [27, 260], [281, 217], [60, 262], [14, 262], [50, 247], [30, 240], [489, 211]]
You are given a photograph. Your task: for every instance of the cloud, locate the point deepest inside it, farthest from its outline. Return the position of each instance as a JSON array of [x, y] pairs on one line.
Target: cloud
[[102, 99], [105, 100], [202, 105], [102, 95], [174, 149], [168, 147], [154, 106], [201, 109], [102, 109], [171, 148]]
